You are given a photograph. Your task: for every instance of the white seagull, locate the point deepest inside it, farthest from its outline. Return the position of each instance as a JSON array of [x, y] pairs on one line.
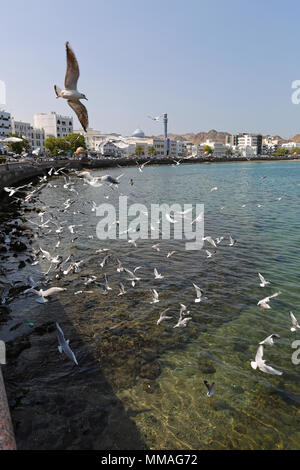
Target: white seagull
[[210, 240], [157, 275], [163, 316], [231, 241], [261, 364], [294, 322], [182, 322], [270, 339], [198, 293], [64, 345], [44, 293], [70, 93], [155, 298], [264, 303], [263, 282]]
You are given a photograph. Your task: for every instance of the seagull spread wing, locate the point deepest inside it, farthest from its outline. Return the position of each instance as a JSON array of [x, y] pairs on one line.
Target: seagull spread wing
[[270, 370], [72, 73], [52, 290], [81, 112], [294, 319], [259, 356], [198, 291], [60, 334]]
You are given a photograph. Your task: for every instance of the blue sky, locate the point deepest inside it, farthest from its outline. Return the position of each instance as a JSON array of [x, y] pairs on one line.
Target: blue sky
[[219, 64]]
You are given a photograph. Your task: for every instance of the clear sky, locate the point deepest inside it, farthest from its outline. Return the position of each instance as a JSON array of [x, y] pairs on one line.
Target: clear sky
[[227, 65]]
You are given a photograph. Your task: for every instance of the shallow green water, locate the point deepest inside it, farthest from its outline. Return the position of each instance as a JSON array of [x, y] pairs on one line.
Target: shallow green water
[[157, 372]]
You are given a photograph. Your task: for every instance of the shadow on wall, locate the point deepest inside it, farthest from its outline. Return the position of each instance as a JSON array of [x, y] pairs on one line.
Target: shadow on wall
[[55, 404]]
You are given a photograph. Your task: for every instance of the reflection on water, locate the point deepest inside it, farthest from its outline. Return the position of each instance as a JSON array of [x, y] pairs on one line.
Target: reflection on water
[[157, 372]]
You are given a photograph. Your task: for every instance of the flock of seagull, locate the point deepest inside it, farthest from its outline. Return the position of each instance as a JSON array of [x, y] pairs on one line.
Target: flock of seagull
[[63, 267]]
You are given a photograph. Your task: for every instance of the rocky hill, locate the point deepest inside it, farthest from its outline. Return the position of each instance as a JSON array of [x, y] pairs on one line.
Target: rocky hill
[[198, 138], [215, 136]]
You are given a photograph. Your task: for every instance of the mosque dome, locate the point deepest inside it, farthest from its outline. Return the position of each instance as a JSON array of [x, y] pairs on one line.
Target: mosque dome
[[138, 133]]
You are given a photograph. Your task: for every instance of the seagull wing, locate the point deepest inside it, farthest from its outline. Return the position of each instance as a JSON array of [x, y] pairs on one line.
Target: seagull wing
[[198, 291], [274, 295], [208, 386], [60, 334], [155, 294], [294, 319], [52, 290], [72, 73], [81, 112], [262, 279], [270, 370], [46, 254], [259, 356]]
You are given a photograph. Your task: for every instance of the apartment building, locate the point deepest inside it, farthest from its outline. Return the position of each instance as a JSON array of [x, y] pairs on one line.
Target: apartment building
[[5, 124], [54, 125], [35, 137]]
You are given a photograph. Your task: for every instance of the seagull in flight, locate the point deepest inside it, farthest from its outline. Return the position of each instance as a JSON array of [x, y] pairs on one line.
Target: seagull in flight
[[70, 93], [263, 282], [64, 345], [157, 275], [163, 316], [210, 240], [44, 293], [154, 118], [155, 298], [264, 303], [210, 388], [231, 241], [294, 322], [270, 339], [261, 364], [198, 293], [182, 322]]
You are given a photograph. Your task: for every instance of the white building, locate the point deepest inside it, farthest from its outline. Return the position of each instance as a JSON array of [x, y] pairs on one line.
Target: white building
[[35, 137], [270, 145], [219, 149], [248, 151], [250, 140], [54, 124], [290, 145], [94, 139], [117, 145], [5, 124]]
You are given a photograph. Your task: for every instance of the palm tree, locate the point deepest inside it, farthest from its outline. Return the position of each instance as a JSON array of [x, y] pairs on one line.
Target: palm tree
[[139, 151], [151, 151], [207, 150]]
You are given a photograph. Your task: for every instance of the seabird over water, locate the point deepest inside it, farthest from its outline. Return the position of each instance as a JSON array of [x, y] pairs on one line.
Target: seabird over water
[[261, 363], [70, 92], [210, 388]]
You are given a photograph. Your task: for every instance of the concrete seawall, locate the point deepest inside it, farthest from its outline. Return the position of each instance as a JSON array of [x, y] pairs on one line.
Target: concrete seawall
[[12, 174], [7, 439]]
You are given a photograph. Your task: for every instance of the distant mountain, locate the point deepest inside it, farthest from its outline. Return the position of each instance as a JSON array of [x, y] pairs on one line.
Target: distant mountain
[[215, 136], [200, 137], [296, 138]]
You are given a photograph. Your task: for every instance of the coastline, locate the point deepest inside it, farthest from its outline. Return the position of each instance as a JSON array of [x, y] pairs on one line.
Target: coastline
[[16, 173]]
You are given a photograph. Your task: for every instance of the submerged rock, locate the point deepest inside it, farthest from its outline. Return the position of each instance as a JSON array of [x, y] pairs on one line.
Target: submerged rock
[[206, 366], [18, 246]]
